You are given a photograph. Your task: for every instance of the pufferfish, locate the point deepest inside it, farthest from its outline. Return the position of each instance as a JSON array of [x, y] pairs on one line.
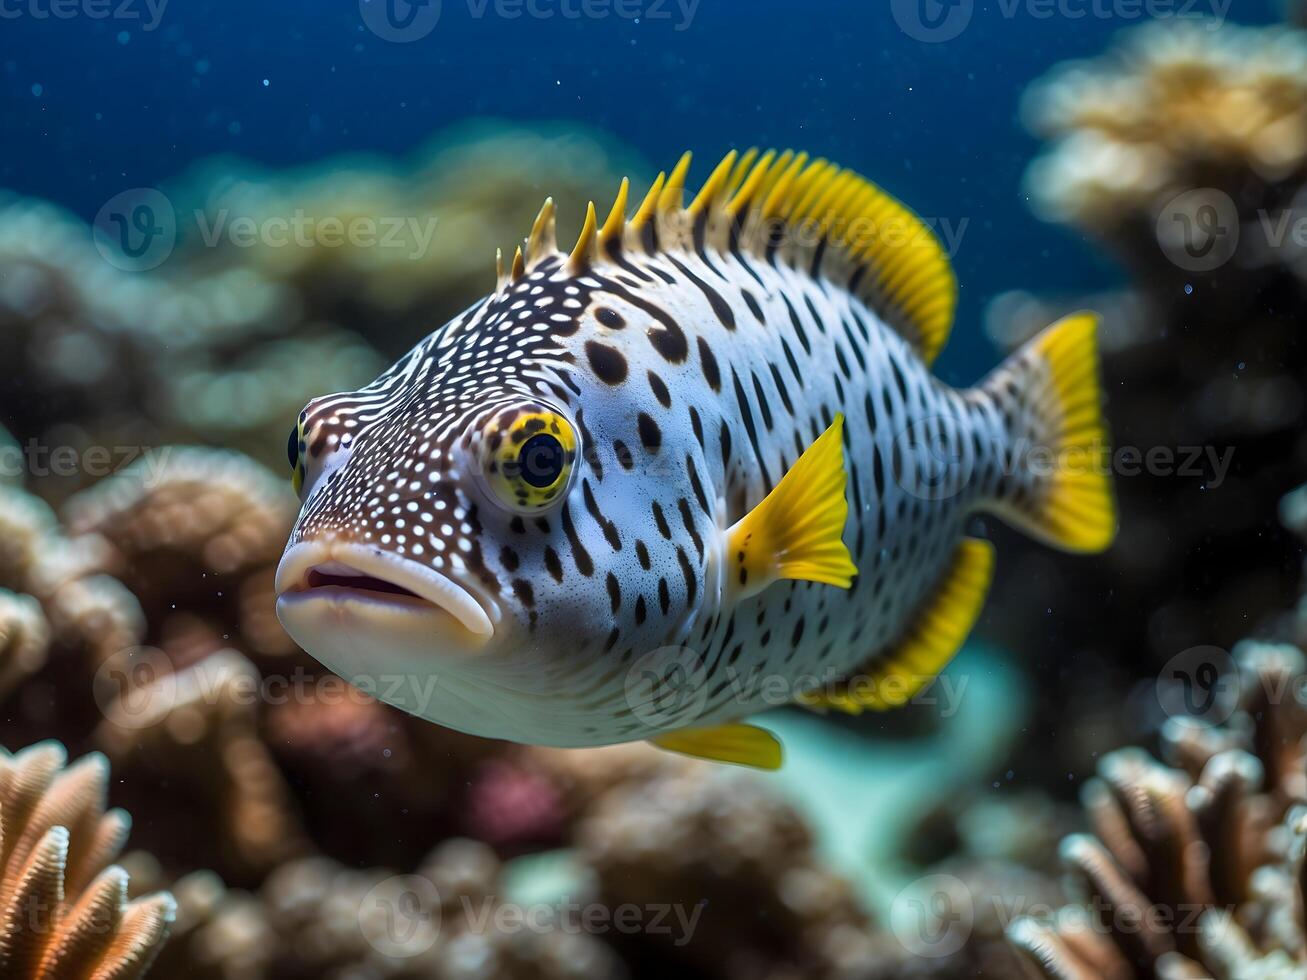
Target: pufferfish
[[694, 467]]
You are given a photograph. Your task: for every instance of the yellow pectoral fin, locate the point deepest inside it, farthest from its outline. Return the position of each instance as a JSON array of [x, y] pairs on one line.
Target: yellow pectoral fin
[[740, 744], [797, 531], [931, 641]]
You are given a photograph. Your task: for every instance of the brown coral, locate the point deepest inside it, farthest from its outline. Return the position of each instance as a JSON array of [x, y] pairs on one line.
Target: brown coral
[[1177, 106], [725, 854], [66, 914], [196, 728], [1175, 851], [197, 529], [436, 924]]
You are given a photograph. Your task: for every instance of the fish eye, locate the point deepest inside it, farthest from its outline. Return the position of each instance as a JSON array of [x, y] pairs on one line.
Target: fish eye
[[295, 455], [529, 458], [541, 460]]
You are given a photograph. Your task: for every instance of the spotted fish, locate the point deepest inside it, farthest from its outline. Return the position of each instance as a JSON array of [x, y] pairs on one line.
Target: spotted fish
[[692, 468]]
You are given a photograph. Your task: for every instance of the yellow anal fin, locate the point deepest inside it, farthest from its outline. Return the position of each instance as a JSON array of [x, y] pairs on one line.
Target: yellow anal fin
[[738, 744], [797, 531], [930, 642]]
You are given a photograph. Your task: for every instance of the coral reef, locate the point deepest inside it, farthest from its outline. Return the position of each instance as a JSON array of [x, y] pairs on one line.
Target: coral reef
[[225, 341], [1194, 869], [727, 855], [1202, 363], [66, 913], [446, 920]]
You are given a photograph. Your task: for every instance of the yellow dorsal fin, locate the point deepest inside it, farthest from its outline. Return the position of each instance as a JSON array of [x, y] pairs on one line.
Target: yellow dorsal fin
[[640, 222], [715, 186], [611, 233], [673, 195], [797, 531], [743, 167], [832, 223], [740, 744], [543, 240], [932, 639], [519, 264], [501, 277], [583, 250], [750, 185]]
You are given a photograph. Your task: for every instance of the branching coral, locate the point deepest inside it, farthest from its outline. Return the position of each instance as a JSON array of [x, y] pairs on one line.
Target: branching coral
[[65, 909], [1201, 133], [1194, 871]]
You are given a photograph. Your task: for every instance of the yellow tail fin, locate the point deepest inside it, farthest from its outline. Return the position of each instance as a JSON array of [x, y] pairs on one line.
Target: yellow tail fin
[[1060, 489]]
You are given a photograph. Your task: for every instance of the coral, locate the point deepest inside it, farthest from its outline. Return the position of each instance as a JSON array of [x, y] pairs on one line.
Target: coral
[[196, 729], [66, 913], [423, 232], [1202, 362], [437, 924], [1177, 106], [24, 639], [195, 529], [1194, 869], [728, 856], [217, 933]]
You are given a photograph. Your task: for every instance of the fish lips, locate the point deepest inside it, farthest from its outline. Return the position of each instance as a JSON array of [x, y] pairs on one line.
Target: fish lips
[[354, 606]]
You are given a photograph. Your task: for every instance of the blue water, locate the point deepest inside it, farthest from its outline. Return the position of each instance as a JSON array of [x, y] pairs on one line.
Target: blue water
[[92, 106]]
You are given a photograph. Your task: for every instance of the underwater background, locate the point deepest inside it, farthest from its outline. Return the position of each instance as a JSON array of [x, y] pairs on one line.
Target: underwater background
[[1109, 781]]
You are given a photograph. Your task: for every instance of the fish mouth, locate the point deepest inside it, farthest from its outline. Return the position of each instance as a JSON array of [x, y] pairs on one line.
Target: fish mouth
[[370, 581]]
